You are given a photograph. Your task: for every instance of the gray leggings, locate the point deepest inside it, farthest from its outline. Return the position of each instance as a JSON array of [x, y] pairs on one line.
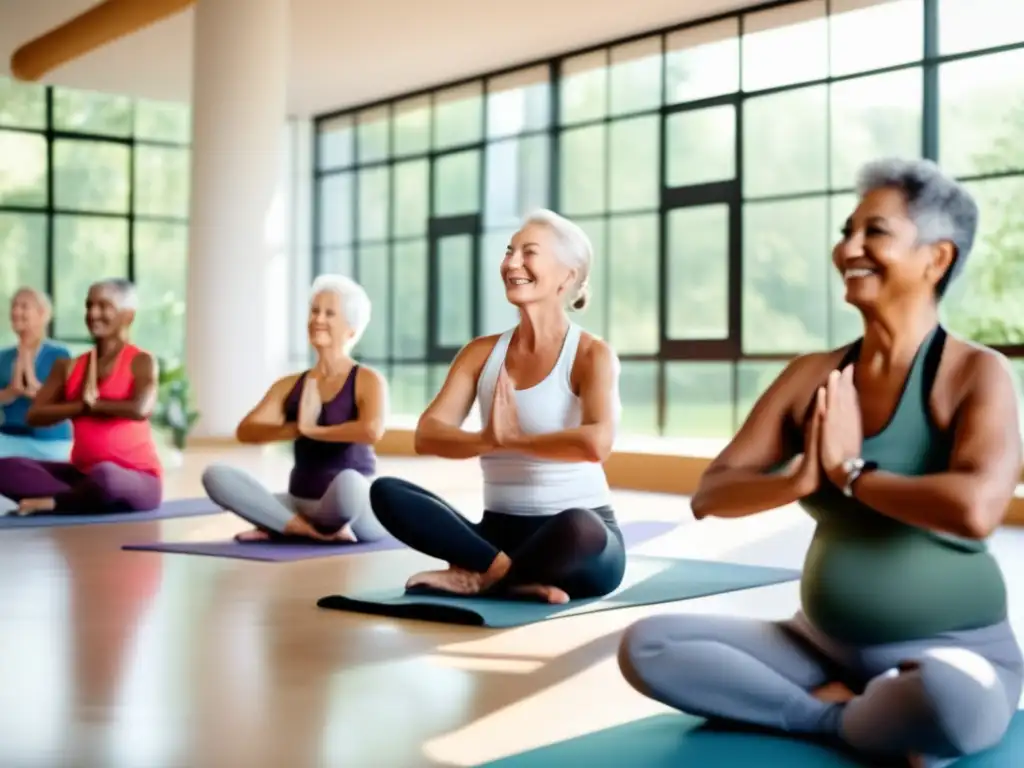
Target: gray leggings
[[941, 698], [346, 502]]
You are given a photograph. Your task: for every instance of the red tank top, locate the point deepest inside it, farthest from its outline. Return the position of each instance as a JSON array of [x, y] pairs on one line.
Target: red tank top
[[125, 442]]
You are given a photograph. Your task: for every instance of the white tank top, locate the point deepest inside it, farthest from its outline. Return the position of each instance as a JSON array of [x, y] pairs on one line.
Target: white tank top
[[519, 484]]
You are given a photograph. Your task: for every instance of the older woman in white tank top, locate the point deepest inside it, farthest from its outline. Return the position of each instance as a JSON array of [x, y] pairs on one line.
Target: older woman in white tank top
[[548, 395]]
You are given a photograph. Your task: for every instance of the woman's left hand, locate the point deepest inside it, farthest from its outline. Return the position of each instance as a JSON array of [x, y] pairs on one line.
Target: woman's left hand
[[842, 433], [310, 406], [503, 429]]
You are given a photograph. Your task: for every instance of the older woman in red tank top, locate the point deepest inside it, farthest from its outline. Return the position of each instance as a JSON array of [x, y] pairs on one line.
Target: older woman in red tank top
[[108, 394]]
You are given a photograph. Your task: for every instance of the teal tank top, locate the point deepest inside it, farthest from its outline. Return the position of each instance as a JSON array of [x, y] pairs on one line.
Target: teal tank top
[[871, 579]]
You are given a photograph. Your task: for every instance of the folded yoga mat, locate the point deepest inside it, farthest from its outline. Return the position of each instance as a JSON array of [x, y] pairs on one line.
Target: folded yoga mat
[[648, 580], [285, 550], [678, 741], [169, 509]]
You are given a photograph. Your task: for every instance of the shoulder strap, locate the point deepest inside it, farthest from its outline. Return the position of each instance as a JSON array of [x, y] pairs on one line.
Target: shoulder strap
[[930, 365], [567, 355]]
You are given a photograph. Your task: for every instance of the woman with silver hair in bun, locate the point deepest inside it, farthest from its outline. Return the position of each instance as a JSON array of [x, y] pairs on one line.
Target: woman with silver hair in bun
[[334, 414], [548, 397], [905, 448]]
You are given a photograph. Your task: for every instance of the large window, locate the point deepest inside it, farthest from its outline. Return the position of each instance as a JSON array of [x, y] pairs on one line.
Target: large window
[[93, 186], [712, 165]]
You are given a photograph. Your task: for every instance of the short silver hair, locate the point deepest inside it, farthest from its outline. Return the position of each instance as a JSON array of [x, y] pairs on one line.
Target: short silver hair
[[575, 251], [127, 296], [38, 296], [356, 306], [941, 208]]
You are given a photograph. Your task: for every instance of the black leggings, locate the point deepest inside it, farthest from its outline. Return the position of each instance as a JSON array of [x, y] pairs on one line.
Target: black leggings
[[579, 550]]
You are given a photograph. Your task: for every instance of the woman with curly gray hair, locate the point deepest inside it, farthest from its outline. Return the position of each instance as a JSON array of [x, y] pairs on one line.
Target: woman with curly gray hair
[[905, 448]]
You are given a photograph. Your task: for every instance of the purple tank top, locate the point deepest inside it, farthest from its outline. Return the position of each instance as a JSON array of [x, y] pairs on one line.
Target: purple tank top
[[317, 463]]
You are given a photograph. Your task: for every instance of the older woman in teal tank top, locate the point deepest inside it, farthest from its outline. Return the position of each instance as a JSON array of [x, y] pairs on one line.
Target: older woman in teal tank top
[[905, 448]]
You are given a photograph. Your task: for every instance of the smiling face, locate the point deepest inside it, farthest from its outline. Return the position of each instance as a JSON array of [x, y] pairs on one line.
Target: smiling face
[[879, 256], [327, 325], [105, 315], [531, 270], [28, 315]]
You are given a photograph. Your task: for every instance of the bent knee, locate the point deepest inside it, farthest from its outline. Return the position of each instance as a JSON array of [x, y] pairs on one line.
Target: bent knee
[[383, 493], [641, 648]]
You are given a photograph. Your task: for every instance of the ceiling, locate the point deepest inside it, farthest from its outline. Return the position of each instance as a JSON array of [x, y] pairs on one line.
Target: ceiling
[[346, 52]]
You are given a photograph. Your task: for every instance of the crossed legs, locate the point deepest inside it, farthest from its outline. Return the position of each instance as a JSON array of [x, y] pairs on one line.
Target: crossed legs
[[51, 486]]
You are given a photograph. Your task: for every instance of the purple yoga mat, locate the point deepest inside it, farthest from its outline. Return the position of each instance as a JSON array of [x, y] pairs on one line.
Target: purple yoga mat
[[285, 551], [167, 510]]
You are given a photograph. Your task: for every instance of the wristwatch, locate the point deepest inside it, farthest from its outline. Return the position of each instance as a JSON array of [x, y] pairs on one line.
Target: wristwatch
[[854, 468]]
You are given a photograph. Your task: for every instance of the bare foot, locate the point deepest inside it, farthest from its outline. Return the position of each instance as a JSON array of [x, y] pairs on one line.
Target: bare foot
[[460, 581], [31, 506], [256, 534], [301, 527], [541, 592], [833, 693]]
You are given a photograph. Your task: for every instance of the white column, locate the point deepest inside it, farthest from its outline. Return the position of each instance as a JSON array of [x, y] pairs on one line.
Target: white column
[[239, 93]]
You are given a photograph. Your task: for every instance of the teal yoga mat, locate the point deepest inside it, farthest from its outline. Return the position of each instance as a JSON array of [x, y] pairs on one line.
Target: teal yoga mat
[[678, 741], [648, 580]]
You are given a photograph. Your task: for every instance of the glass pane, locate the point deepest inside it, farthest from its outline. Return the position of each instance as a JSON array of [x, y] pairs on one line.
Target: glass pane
[[408, 387], [335, 209], [785, 45], [161, 181], [698, 399], [161, 276], [698, 272], [785, 142], [90, 176], [582, 173], [454, 290], [636, 76], [894, 27], [335, 142], [845, 322], [458, 116], [984, 302], [970, 25], [22, 105], [22, 169], [594, 317], [633, 260], [374, 199], [22, 257], [457, 183], [337, 261], [634, 182], [638, 390], [517, 179], [785, 272], [412, 126], [163, 121], [372, 129], [374, 273], [752, 379], [89, 112], [410, 301], [436, 373], [412, 198], [85, 249], [702, 62], [518, 102], [583, 90], [496, 313], [873, 117], [981, 115], [700, 146]]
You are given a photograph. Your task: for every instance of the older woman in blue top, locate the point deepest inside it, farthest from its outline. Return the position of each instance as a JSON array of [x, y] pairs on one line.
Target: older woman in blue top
[[22, 369]]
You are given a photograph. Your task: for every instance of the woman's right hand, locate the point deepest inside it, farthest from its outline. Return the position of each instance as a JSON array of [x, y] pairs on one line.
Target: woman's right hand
[[805, 468]]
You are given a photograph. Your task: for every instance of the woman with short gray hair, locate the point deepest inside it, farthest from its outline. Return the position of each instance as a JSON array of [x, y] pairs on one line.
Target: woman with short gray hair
[[904, 447], [334, 414], [547, 394]]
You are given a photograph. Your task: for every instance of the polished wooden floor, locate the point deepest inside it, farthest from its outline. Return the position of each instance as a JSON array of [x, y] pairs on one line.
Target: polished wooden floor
[[111, 658]]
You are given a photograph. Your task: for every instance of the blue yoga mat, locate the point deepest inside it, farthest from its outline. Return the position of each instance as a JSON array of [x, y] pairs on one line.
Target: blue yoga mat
[[169, 509], [648, 580], [679, 741]]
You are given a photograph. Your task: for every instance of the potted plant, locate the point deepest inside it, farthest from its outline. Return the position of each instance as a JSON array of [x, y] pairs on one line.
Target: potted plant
[[174, 410]]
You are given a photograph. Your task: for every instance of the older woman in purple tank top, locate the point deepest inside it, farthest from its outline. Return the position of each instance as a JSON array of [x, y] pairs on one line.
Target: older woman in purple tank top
[[333, 413]]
